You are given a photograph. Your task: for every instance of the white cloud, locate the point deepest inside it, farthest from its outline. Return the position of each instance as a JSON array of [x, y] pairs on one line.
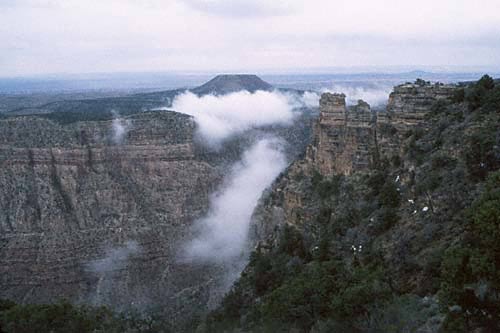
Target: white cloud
[[120, 128], [220, 117], [310, 99], [374, 96], [222, 234], [114, 259]]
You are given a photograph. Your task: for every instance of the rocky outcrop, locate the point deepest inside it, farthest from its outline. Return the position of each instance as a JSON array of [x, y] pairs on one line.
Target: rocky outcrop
[[342, 137], [90, 219], [347, 140], [409, 103], [401, 215]]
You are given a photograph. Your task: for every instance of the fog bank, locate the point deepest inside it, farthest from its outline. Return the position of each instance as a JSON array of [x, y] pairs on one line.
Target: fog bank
[[221, 236], [220, 117]]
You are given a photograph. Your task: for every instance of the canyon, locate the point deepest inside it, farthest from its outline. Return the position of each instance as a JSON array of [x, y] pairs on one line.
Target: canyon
[[97, 207]]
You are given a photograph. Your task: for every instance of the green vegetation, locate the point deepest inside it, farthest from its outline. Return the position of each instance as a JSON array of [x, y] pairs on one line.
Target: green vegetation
[[326, 187], [298, 292], [64, 317], [479, 93], [471, 269], [374, 252], [425, 221], [59, 317]]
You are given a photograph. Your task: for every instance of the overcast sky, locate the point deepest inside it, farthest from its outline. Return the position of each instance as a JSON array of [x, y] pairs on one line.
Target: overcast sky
[[81, 36]]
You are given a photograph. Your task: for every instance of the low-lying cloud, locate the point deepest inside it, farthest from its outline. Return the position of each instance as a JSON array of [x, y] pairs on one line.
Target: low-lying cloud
[[220, 117], [120, 128], [375, 96], [114, 259], [222, 234], [105, 270], [310, 99]]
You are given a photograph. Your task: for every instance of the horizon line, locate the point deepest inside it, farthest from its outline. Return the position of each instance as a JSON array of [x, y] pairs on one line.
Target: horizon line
[[333, 70]]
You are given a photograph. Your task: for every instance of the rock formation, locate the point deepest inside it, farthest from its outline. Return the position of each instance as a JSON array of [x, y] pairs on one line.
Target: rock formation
[[389, 194], [73, 200], [96, 206], [342, 137], [347, 140]]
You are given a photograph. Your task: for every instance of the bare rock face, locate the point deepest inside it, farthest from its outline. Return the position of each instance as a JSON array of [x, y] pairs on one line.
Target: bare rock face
[[347, 140], [91, 218], [409, 103], [342, 136]]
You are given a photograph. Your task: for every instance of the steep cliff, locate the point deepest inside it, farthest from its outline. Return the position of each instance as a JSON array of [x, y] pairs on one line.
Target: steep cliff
[[347, 140], [97, 207], [365, 232], [93, 217], [342, 137]]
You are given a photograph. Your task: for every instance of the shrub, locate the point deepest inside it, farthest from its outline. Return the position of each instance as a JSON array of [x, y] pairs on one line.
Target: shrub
[[458, 95], [406, 313], [58, 317], [470, 271], [376, 181], [440, 161], [481, 153], [389, 195], [326, 187], [386, 218], [477, 93], [396, 161], [486, 82], [292, 243]]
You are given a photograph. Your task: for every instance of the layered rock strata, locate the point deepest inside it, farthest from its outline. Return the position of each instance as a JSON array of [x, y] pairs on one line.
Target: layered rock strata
[[88, 219], [347, 140]]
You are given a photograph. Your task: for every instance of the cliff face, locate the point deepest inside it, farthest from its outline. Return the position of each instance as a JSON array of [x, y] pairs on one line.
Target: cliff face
[[371, 231], [342, 137], [353, 142], [93, 217], [409, 103], [347, 140]]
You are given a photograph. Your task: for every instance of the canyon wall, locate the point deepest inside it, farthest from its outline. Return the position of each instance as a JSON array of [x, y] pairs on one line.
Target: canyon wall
[[346, 141], [352, 139], [94, 218]]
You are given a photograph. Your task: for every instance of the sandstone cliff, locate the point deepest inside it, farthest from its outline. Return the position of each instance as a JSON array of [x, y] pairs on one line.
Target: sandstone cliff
[[370, 230], [94, 220], [354, 142], [347, 140], [97, 207]]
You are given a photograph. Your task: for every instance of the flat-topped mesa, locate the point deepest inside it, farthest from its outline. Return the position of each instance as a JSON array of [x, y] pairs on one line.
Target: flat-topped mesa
[[229, 83], [149, 136], [409, 103]]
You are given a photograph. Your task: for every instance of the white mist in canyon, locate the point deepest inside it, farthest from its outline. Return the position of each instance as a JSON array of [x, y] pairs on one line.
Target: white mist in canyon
[[120, 128], [222, 234], [220, 117]]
